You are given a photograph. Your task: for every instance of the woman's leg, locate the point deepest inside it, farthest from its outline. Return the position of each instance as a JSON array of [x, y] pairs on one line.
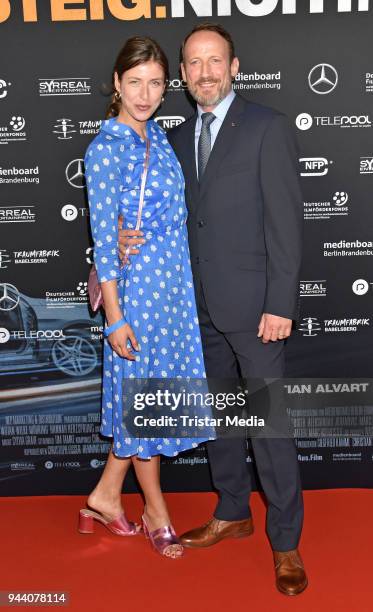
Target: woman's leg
[[155, 511], [106, 496]]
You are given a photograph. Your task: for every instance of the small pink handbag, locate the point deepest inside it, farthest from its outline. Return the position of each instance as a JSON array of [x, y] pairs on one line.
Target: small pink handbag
[[94, 286]]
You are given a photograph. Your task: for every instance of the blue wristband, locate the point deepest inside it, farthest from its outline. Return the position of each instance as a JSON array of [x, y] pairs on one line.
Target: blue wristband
[[111, 328]]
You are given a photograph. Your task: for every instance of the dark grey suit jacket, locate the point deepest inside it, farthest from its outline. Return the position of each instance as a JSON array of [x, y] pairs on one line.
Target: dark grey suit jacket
[[245, 217]]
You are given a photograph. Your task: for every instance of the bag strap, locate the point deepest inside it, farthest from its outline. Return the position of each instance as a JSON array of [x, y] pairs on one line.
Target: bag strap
[[142, 192], [143, 181]]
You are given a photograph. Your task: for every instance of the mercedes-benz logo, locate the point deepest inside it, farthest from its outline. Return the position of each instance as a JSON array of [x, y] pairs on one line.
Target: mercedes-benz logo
[[323, 78], [8, 301], [75, 173]]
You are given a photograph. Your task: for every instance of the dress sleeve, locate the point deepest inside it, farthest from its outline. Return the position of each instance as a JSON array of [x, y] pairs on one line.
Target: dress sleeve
[[103, 188]]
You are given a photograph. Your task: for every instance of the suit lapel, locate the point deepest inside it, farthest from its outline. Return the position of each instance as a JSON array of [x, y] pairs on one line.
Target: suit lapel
[[224, 140], [189, 162]]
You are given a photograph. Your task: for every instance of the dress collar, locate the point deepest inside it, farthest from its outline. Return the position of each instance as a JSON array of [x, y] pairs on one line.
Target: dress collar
[[122, 130]]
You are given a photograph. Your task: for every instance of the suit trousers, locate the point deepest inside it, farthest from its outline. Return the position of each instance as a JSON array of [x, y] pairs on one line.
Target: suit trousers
[[242, 354]]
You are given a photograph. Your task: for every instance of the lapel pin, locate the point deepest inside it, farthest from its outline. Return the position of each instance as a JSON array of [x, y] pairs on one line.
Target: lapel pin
[[234, 124]]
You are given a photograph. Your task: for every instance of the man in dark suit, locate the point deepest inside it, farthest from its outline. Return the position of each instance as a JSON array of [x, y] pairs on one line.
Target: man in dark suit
[[245, 232]]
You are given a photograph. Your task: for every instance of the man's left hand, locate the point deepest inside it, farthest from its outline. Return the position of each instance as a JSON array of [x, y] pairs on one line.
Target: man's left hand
[[272, 327]]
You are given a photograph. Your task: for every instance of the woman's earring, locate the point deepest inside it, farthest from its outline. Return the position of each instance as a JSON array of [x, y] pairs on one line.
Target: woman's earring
[[117, 96], [162, 99]]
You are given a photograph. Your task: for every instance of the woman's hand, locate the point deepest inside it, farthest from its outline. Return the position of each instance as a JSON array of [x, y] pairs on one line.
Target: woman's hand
[[128, 239], [118, 342]]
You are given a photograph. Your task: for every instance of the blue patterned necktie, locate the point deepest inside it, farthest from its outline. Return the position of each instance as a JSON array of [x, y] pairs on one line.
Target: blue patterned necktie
[[204, 143]]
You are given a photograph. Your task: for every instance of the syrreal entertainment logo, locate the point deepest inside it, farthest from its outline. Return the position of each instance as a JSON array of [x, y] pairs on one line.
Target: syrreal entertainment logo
[[169, 121], [314, 166], [312, 288], [15, 213], [366, 164], [65, 87]]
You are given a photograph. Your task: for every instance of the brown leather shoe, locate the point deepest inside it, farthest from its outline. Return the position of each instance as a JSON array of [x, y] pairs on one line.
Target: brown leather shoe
[[216, 530], [291, 578]]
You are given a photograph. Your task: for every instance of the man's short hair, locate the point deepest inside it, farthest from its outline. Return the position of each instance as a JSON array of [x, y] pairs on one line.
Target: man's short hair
[[211, 27]]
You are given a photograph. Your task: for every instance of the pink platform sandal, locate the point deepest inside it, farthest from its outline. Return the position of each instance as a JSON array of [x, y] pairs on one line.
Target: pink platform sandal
[[162, 538], [119, 526]]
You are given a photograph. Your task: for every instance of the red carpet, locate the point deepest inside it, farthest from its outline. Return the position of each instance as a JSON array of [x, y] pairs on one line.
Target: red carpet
[[42, 551]]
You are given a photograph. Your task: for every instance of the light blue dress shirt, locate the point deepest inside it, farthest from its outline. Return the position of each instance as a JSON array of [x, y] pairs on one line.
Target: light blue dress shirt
[[220, 112]]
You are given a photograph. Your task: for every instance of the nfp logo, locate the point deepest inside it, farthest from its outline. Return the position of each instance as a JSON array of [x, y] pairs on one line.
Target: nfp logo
[[169, 122], [314, 166]]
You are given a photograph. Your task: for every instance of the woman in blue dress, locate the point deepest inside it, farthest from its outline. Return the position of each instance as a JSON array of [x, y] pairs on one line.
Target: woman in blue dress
[[152, 327]]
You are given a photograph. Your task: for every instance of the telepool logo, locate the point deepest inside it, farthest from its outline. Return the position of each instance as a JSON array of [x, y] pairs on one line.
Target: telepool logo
[[360, 286], [176, 85], [323, 79], [305, 121], [4, 85], [65, 87], [4, 335], [168, 122], [314, 166], [98, 10], [14, 131]]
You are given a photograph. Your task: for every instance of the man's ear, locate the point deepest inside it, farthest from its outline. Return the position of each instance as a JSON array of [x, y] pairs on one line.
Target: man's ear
[[235, 67], [183, 74]]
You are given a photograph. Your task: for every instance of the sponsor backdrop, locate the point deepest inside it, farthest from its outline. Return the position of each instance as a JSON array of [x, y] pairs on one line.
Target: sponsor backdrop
[[308, 59]]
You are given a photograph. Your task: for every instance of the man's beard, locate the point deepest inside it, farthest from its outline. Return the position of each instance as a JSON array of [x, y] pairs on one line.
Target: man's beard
[[209, 100]]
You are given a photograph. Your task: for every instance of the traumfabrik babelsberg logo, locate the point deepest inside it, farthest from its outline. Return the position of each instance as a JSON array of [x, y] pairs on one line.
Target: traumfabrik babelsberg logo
[[65, 128]]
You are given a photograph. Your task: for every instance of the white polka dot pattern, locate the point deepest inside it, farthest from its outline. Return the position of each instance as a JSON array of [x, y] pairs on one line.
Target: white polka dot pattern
[[156, 290]]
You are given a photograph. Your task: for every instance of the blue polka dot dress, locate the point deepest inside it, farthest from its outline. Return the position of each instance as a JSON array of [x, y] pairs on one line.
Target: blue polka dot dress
[[156, 290]]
